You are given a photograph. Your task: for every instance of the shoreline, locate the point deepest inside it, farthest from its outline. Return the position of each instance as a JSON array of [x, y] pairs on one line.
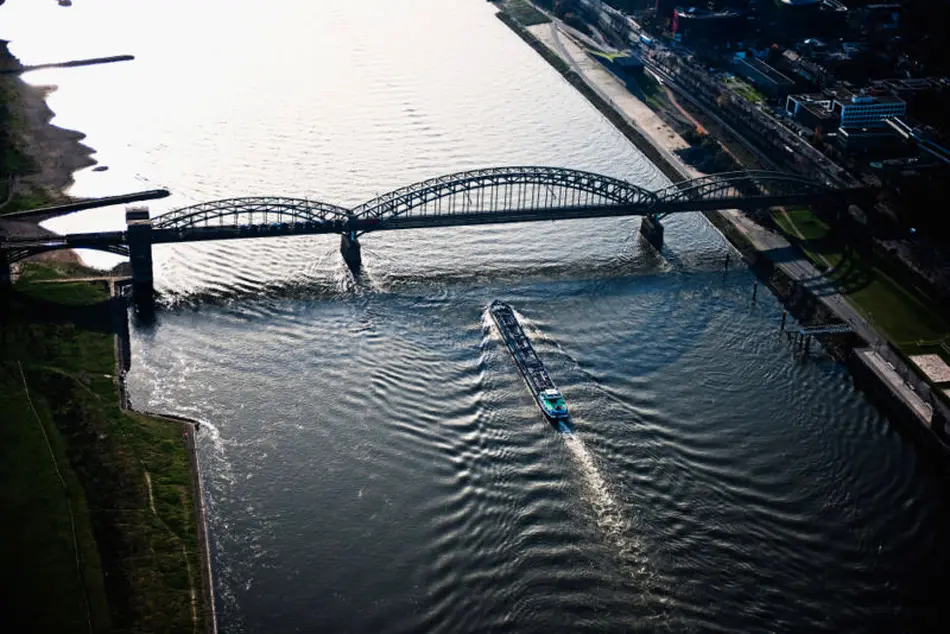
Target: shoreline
[[123, 362], [53, 154], [793, 293]]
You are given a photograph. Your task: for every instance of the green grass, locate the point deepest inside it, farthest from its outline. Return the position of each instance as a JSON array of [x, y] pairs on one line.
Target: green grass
[[134, 567], [524, 12], [44, 591], [746, 91], [653, 92], [901, 315]]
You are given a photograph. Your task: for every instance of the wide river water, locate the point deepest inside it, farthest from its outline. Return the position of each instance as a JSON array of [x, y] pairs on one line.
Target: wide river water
[[373, 461]]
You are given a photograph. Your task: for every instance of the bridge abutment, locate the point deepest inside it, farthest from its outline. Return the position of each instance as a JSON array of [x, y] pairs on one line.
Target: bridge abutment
[[652, 231], [139, 236], [350, 250]]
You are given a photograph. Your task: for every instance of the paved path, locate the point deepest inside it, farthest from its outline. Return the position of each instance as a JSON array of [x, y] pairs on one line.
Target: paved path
[[613, 91]]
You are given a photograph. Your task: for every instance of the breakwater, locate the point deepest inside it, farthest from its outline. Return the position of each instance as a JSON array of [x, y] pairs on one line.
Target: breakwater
[[76, 63]]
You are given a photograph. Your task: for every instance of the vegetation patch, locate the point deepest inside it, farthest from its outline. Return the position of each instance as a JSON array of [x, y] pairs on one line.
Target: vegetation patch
[[903, 317], [136, 533], [744, 90]]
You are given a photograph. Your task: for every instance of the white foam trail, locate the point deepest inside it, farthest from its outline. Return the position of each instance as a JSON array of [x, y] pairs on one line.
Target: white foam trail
[[222, 467], [608, 513]]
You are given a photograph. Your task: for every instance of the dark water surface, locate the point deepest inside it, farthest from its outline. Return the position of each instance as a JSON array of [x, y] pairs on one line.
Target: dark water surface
[[373, 461]]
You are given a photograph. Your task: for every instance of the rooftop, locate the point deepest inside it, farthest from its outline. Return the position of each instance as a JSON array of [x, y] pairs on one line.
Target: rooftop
[[848, 96]]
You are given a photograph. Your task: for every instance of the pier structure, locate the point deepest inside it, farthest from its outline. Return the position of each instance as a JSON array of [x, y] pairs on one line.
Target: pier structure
[[139, 239]]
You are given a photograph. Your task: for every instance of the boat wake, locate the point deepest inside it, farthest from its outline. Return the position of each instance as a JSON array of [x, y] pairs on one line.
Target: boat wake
[[608, 513]]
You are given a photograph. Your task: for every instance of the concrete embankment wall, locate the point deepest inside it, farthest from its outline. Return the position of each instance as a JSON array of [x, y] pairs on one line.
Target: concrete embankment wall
[[123, 364], [931, 434]]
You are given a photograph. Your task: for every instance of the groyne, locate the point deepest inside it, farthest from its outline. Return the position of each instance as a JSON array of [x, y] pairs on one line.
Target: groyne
[[75, 63]]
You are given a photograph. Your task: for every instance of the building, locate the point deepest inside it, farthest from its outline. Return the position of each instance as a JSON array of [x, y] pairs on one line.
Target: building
[[812, 110], [762, 76], [713, 26], [808, 70], [866, 111]]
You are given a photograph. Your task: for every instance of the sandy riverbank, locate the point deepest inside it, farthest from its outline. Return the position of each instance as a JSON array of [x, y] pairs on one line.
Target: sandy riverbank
[[53, 153]]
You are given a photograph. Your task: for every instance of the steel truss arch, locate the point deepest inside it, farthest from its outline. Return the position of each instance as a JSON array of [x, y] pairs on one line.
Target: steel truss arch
[[255, 210], [745, 184], [22, 253], [531, 187]]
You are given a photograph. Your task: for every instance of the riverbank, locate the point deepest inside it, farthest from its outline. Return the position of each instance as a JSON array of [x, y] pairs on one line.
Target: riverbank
[[39, 159], [124, 551], [109, 531], [808, 293]]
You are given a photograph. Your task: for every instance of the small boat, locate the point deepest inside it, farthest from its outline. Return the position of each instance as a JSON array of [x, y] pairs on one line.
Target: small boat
[[549, 399]]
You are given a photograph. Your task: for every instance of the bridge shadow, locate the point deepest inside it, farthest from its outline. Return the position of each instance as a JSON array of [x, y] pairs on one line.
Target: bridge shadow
[[848, 273], [26, 308]]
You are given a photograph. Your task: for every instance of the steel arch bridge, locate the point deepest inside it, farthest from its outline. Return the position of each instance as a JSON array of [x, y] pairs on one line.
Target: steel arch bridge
[[755, 187], [250, 211], [500, 194], [482, 196], [22, 250], [505, 189]]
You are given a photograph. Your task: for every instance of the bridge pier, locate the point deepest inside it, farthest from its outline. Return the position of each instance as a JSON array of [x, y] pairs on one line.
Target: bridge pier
[[350, 250], [652, 231], [139, 236], [6, 269]]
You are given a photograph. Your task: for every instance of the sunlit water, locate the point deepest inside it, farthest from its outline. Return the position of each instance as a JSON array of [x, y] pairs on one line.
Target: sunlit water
[[374, 462]]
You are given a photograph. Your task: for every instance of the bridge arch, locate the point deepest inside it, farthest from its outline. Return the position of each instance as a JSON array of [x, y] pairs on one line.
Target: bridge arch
[[261, 210], [20, 254], [744, 184], [484, 191]]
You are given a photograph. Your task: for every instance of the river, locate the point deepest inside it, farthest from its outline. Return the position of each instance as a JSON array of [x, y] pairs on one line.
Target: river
[[372, 459]]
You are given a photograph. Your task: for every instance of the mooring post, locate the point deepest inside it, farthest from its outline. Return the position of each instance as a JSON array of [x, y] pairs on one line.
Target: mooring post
[[652, 231], [139, 236], [350, 250], [726, 267], [807, 343], [755, 290], [784, 316]]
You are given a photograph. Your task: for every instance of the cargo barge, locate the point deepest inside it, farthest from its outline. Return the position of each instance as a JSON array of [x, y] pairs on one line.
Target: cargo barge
[[546, 395]]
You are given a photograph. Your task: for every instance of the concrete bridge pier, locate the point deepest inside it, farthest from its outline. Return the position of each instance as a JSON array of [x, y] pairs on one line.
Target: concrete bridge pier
[[350, 249], [139, 236], [652, 231]]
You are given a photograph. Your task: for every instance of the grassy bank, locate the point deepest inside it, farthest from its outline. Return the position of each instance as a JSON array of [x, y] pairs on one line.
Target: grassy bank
[[128, 488], [905, 319]]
